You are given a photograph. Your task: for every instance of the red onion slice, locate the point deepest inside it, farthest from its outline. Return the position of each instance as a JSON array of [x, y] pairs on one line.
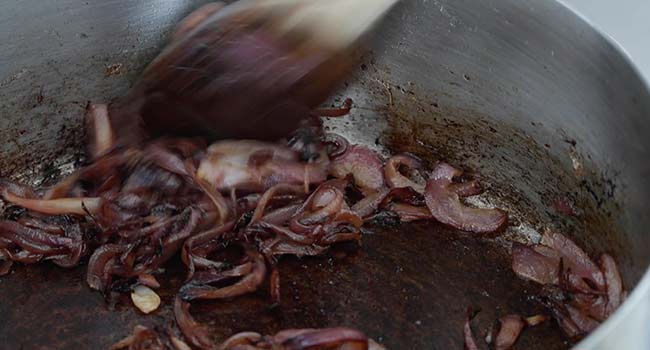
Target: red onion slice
[[445, 205], [511, 327], [363, 164], [396, 179], [574, 258], [408, 213], [247, 284], [537, 263], [469, 341], [613, 281], [63, 206], [195, 333], [328, 338]]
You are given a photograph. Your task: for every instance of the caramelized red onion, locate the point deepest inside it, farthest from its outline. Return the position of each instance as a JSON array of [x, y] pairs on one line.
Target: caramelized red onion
[[246, 284], [302, 339], [537, 263], [363, 164], [511, 327], [574, 258], [254, 166], [470, 342], [336, 144], [582, 294], [195, 333], [394, 176], [445, 205], [78, 206], [133, 209], [614, 283], [408, 213]]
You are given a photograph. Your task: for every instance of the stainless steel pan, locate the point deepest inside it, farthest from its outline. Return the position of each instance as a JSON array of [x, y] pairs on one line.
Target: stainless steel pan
[[522, 92]]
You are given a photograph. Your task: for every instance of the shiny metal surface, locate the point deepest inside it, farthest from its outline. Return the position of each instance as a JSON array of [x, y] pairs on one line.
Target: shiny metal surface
[[523, 92]]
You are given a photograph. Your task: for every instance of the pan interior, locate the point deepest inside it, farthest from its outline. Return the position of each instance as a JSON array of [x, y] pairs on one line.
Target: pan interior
[[408, 285], [485, 94]]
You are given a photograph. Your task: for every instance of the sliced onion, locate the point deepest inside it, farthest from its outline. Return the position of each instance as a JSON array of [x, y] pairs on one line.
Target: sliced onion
[[467, 189], [328, 338], [241, 339], [97, 276], [148, 280], [179, 344], [445, 205], [408, 213], [195, 333], [394, 177], [217, 199], [63, 188], [187, 253], [511, 327], [470, 342], [247, 284], [613, 281], [268, 196], [574, 258], [594, 306], [337, 145], [63, 206], [281, 246], [228, 164], [363, 164], [584, 322], [537, 263]]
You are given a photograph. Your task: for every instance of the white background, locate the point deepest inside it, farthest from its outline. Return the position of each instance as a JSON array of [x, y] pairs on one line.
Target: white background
[[626, 21]]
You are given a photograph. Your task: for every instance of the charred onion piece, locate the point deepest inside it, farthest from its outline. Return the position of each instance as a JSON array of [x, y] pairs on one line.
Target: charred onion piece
[[445, 205]]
